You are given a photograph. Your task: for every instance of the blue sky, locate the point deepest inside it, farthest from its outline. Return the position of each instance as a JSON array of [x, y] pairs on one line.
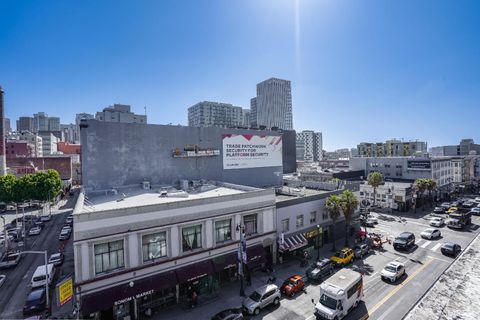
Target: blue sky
[[360, 70]]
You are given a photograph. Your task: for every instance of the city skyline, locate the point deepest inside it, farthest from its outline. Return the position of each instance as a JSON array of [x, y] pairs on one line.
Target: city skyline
[[342, 78]]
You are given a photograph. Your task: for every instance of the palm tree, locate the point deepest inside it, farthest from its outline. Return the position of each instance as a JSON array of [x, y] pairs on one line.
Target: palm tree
[[431, 185], [333, 207], [375, 179], [348, 203], [421, 186]]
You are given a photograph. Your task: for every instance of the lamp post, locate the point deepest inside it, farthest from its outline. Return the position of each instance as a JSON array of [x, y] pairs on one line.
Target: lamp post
[[5, 234], [318, 242], [242, 247], [47, 277]]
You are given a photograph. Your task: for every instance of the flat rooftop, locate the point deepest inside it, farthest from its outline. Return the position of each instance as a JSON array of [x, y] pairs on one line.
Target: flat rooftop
[[308, 192], [135, 197]]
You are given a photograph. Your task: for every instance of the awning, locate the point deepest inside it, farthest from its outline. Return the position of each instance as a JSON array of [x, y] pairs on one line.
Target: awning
[[109, 297], [292, 242], [255, 256], [224, 262], [195, 271]]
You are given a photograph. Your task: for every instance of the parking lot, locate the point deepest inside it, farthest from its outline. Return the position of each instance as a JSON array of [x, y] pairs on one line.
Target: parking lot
[[17, 285], [424, 263]]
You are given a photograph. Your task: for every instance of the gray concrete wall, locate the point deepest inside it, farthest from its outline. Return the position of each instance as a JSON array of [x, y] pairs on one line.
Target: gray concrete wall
[[116, 154]]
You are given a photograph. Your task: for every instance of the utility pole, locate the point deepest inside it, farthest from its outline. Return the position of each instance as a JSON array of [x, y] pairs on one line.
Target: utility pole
[[242, 257]]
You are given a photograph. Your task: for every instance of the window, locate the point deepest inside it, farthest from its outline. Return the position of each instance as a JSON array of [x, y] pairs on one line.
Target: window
[[313, 217], [192, 237], [357, 286], [299, 221], [223, 230], [325, 215], [154, 246], [250, 223], [285, 225], [108, 256]]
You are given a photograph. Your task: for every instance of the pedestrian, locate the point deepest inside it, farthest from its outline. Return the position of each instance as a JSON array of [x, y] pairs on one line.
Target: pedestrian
[[194, 299]]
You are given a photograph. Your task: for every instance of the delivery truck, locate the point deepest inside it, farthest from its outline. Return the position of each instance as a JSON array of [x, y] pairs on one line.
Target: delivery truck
[[339, 294]]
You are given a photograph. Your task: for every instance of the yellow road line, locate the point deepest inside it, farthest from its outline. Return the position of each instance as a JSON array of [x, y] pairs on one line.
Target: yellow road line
[[400, 286]]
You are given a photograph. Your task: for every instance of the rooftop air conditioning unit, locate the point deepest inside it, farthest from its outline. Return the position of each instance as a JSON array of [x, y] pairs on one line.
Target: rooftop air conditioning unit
[[146, 185]]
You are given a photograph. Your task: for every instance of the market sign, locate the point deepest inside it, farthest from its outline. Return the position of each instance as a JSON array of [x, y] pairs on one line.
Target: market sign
[[241, 151], [65, 291]]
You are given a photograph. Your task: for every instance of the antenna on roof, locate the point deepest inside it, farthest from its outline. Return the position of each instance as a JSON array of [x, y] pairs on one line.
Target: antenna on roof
[[145, 108]]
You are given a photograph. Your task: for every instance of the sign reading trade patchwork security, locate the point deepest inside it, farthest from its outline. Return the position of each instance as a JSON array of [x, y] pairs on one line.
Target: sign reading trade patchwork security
[[242, 151], [65, 291]]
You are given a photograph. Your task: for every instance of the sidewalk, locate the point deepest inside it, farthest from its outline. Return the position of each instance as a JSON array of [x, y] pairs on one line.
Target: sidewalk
[[229, 294]]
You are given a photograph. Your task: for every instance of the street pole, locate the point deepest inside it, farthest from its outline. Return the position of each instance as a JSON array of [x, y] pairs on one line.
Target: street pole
[[24, 230], [5, 235], [241, 249], [47, 277], [318, 242]]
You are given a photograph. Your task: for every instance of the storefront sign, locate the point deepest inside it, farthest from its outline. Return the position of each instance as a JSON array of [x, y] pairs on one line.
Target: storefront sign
[[242, 151], [313, 233], [137, 296], [419, 164], [65, 291]]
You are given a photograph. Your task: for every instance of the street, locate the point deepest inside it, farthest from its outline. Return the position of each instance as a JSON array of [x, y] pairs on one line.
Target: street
[[17, 286], [382, 300]]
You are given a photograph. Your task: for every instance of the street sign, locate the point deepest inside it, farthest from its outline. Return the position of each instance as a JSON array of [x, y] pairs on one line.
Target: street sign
[[65, 291]]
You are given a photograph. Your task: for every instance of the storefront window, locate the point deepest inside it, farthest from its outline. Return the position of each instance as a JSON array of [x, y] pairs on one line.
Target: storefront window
[[250, 223], [154, 246], [109, 256], [223, 230], [192, 237]]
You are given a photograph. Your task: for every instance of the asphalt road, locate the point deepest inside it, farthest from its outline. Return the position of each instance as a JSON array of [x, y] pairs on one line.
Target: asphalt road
[[17, 285], [385, 301]]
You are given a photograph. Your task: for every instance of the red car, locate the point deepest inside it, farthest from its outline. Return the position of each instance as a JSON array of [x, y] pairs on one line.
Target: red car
[[292, 285]]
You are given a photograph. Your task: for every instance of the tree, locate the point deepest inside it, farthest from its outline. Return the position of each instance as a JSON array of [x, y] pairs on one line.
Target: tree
[[349, 203], [47, 185], [431, 185], [375, 179], [7, 188], [333, 207], [421, 186]]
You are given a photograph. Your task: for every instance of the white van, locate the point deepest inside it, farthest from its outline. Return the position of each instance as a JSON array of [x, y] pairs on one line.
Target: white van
[[39, 277], [339, 294]]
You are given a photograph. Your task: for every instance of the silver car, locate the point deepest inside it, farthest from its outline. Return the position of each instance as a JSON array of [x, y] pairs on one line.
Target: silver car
[[261, 298]]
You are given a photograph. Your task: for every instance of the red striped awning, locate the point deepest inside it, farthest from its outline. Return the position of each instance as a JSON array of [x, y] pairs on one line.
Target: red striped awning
[[292, 242]]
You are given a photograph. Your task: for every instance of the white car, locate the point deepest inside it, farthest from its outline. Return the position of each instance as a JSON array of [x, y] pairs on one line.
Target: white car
[[437, 222], [2, 279], [66, 229], [34, 231], [475, 211], [431, 233], [393, 271]]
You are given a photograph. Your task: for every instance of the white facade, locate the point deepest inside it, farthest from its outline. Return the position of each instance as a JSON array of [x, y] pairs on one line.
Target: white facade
[[389, 195], [49, 143], [309, 146], [107, 220], [274, 104], [215, 114]]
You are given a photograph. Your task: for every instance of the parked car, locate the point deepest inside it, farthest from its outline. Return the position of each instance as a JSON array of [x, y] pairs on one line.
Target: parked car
[[469, 204], [404, 241], [369, 223], [229, 314], [342, 257], [66, 228], [56, 259], [69, 220], [320, 269], [359, 250], [430, 233], [437, 222], [372, 218], [261, 298], [445, 205], [439, 210], [292, 285], [3, 278], [393, 271], [35, 231], [452, 210], [46, 218], [475, 211], [10, 259], [64, 235], [36, 301], [450, 248]]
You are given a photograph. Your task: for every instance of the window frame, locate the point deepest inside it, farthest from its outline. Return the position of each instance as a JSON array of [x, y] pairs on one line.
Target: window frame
[[284, 230], [182, 237], [143, 244], [302, 219], [108, 253], [230, 229], [314, 214], [256, 223]]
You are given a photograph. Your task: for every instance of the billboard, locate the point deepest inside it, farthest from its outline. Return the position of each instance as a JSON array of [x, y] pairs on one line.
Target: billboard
[[241, 151], [419, 164], [65, 291]]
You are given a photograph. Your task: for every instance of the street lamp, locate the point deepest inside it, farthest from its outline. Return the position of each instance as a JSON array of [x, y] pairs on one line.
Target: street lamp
[[242, 247], [318, 242], [47, 277]]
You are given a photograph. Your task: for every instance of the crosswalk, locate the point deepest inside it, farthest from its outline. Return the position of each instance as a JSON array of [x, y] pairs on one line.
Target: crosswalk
[[429, 245]]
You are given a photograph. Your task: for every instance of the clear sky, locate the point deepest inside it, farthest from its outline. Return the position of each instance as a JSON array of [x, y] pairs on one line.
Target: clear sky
[[360, 70]]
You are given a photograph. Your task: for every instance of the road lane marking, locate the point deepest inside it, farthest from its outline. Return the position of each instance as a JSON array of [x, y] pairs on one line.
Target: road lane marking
[[435, 248], [426, 244], [400, 286], [440, 259]]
